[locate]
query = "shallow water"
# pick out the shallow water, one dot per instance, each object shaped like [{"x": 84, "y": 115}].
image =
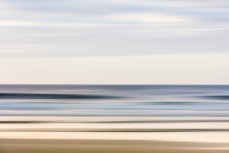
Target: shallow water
[
  {"x": 110, "y": 100},
  {"x": 114, "y": 108}
]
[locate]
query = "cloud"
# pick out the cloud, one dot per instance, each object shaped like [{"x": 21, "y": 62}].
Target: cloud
[
  {"x": 21, "y": 23},
  {"x": 15, "y": 23},
  {"x": 189, "y": 4},
  {"x": 149, "y": 18},
  {"x": 55, "y": 28}
]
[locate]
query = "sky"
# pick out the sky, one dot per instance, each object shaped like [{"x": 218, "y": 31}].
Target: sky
[{"x": 114, "y": 41}]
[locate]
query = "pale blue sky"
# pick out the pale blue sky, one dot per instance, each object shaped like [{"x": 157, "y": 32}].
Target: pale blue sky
[{"x": 49, "y": 29}]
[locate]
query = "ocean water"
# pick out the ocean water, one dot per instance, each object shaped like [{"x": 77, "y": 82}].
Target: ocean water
[{"x": 114, "y": 108}]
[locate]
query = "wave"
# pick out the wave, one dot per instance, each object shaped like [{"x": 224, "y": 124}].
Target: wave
[
  {"x": 53, "y": 96},
  {"x": 217, "y": 97}
]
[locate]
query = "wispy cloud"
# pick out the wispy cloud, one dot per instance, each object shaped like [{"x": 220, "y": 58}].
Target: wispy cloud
[
  {"x": 149, "y": 18},
  {"x": 48, "y": 28}
]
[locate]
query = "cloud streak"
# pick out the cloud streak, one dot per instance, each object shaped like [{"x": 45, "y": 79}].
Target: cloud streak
[{"x": 54, "y": 28}]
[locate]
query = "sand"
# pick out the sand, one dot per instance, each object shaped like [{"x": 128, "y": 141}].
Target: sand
[
  {"x": 106, "y": 146},
  {"x": 113, "y": 142}
]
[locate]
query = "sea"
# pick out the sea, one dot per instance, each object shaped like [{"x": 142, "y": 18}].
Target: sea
[{"x": 114, "y": 108}]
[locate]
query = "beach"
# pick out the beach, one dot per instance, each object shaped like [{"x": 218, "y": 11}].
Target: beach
[{"x": 113, "y": 119}]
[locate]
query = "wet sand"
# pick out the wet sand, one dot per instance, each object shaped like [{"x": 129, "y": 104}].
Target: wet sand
[
  {"x": 107, "y": 146},
  {"x": 113, "y": 142}
]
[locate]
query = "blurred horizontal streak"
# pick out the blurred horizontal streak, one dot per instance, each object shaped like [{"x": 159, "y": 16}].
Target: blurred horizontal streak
[
  {"x": 199, "y": 137},
  {"x": 116, "y": 130},
  {"x": 119, "y": 122},
  {"x": 112, "y": 127},
  {"x": 106, "y": 119},
  {"x": 51, "y": 96},
  {"x": 115, "y": 113}
]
